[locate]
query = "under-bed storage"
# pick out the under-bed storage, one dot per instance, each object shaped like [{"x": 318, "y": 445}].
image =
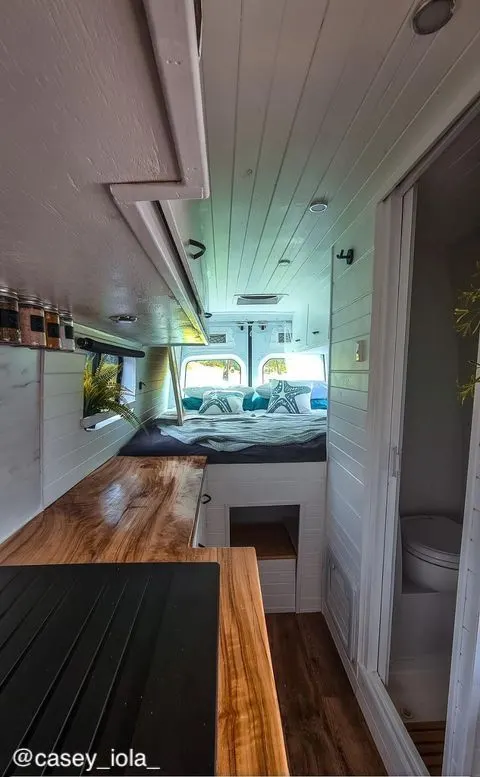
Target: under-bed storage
[
  {"x": 273, "y": 532},
  {"x": 295, "y": 577}
]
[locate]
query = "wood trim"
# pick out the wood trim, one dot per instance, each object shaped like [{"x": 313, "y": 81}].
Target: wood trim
[
  {"x": 464, "y": 690},
  {"x": 395, "y": 414},
  {"x": 177, "y": 390},
  {"x": 391, "y": 737},
  {"x": 174, "y": 37},
  {"x": 250, "y": 735},
  {"x": 174, "y": 40},
  {"x": 130, "y": 193},
  {"x": 379, "y": 406}
]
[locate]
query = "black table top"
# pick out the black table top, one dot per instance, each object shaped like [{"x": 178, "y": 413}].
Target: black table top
[{"x": 117, "y": 661}]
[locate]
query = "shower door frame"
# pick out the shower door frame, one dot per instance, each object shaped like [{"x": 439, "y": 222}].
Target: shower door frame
[{"x": 394, "y": 238}]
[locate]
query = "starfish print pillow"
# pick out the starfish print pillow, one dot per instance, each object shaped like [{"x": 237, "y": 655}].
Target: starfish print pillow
[
  {"x": 290, "y": 398},
  {"x": 220, "y": 402}
]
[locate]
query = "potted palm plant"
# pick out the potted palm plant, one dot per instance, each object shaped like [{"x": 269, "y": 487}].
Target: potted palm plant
[{"x": 104, "y": 396}]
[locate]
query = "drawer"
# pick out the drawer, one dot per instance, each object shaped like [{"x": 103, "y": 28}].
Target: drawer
[{"x": 278, "y": 584}]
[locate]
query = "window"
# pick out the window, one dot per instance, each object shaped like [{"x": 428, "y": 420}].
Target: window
[
  {"x": 97, "y": 359},
  {"x": 118, "y": 370},
  {"x": 293, "y": 367},
  {"x": 221, "y": 371}
]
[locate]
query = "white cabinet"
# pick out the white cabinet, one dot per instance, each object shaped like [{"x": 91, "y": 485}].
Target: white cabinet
[
  {"x": 186, "y": 226},
  {"x": 278, "y": 584}
]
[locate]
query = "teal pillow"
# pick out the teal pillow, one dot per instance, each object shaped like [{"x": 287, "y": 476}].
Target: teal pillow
[
  {"x": 248, "y": 401},
  {"x": 191, "y": 403},
  {"x": 258, "y": 402},
  {"x": 319, "y": 404}
]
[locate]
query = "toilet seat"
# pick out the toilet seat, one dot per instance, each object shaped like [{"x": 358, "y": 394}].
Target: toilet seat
[{"x": 435, "y": 539}]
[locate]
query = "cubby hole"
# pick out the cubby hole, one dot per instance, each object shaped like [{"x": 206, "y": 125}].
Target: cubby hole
[{"x": 272, "y": 530}]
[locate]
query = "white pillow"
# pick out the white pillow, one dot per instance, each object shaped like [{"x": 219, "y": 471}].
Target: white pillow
[
  {"x": 265, "y": 390},
  {"x": 293, "y": 398},
  {"x": 199, "y": 391},
  {"x": 221, "y": 402}
]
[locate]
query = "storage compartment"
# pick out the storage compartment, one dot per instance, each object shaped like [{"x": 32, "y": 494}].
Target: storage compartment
[
  {"x": 185, "y": 220},
  {"x": 273, "y": 532}
]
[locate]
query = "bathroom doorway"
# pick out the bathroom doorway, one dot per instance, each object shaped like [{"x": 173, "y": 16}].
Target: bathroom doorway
[
  {"x": 434, "y": 449},
  {"x": 420, "y": 633}
]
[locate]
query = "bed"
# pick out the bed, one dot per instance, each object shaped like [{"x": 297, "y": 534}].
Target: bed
[
  {"x": 305, "y": 440},
  {"x": 258, "y": 476}
]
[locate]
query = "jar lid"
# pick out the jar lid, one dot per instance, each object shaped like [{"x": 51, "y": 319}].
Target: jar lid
[
  {"x": 30, "y": 299},
  {"x": 51, "y": 308},
  {"x": 65, "y": 313},
  {"x": 5, "y": 291}
]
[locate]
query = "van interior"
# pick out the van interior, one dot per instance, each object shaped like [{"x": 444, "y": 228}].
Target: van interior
[{"x": 239, "y": 319}]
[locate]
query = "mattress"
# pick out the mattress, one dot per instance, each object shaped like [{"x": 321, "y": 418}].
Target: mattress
[{"x": 153, "y": 443}]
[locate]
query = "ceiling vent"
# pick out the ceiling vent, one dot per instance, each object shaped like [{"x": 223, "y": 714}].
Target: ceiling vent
[
  {"x": 218, "y": 339},
  {"x": 258, "y": 299}
]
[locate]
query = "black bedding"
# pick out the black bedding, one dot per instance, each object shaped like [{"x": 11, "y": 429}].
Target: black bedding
[{"x": 153, "y": 443}]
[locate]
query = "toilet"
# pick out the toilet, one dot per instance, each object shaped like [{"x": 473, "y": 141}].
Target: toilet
[{"x": 431, "y": 551}]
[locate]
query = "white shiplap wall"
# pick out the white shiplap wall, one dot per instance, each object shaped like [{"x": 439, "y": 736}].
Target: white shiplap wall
[
  {"x": 20, "y": 396},
  {"x": 450, "y": 83},
  {"x": 69, "y": 452},
  {"x": 350, "y": 322}
]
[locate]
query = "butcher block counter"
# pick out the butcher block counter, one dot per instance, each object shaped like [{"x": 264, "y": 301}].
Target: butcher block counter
[{"x": 144, "y": 509}]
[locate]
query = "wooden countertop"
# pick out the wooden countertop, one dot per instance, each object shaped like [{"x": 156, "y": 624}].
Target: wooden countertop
[{"x": 144, "y": 509}]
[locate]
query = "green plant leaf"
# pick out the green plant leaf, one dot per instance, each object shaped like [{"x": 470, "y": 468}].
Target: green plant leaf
[{"x": 103, "y": 393}]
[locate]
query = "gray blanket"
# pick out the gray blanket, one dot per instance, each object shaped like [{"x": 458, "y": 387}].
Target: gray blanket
[{"x": 236, "y": 432}]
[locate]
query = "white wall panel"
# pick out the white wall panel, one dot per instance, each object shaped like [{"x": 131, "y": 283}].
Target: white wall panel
[
  {"x": 69, "y": 452},
  {"x": 351, "y": 321},
  {"x": 20, "y": 396}
]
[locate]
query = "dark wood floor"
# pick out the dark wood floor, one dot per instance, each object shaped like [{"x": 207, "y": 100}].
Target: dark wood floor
[
  {"x": 325, "y": 732},
  {"x": 429, "y": 739}
]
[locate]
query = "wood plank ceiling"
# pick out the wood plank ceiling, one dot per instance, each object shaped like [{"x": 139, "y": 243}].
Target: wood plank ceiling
[{"x": 303, "y": 99}]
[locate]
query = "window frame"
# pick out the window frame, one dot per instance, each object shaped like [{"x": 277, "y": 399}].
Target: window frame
[
  {"x": 212, "y": 357},
  {"x": 283, "y": 355},
  {"x": 128, "y": 366}
]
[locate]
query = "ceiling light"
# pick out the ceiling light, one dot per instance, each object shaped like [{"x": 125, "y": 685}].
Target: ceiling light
[
  {"x": 318, "y": 206},
  {"x": 431, "y": 15},
  {"x": 123, "y": 318}
]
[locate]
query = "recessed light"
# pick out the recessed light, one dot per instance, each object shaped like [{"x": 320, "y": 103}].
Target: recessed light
[
  {"x": 431, "y": 15},
  {"x": 123, "y": 319},
  {"x": 318, "y": 206}
]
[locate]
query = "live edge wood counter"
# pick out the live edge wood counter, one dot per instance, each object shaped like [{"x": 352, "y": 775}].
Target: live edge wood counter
[{"x": 144, "y": 509}]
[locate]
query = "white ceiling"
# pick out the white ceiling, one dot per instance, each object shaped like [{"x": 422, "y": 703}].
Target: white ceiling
[{"x": 304, "y": 99}]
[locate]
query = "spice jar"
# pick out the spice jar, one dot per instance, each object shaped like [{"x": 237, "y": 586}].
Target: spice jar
[
  {"x": 9, "y": 320},
  {"x": 32, "y": 321},
  {"x": 52, "y": 327},
  {"x": 66, "y": 331}
]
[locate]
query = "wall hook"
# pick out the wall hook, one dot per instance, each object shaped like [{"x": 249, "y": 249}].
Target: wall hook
[{"x": 348, "y": 255}]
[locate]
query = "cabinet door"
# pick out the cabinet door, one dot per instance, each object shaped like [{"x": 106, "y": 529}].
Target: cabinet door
[
  {"x": 299, "y": 329},
  {"x": 185, "y": 222}
]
